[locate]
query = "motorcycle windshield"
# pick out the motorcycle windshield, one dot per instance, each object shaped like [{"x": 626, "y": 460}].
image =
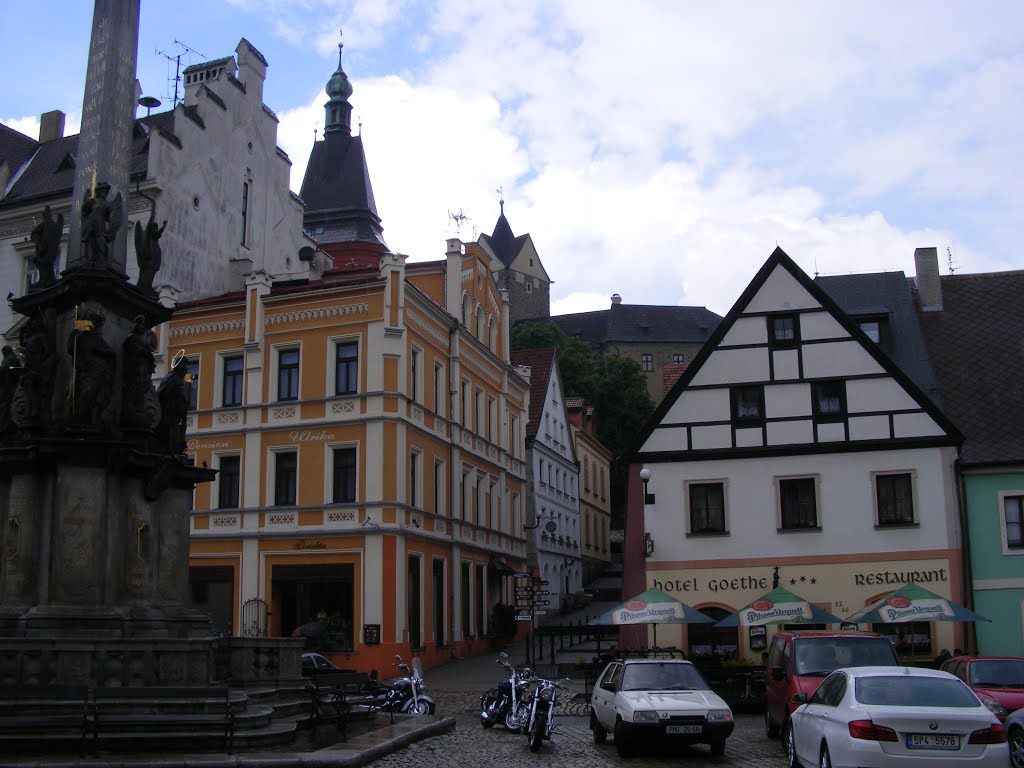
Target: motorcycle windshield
[{"x": 417, "y": 668}]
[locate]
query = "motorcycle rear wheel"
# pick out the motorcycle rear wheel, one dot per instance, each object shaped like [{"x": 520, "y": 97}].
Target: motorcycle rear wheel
[{"x": 540, "y": 725}]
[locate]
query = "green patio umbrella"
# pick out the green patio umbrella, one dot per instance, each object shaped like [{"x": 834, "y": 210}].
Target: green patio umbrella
[
  {"x": 912, "y": 602},
  {"x": 780, "y": 606},
  {"x": 652, "y": 607}
]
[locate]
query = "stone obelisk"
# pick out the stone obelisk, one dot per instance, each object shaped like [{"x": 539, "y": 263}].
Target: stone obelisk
[{"x": 108, "y": 117}]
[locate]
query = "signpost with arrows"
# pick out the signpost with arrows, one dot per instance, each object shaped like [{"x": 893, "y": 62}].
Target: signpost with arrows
[{"x": 529, "y": 593}]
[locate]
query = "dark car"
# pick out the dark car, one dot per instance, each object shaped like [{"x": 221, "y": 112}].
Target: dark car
[
  {"x": 312, "y": 663},
  {"x": 998, "y": 679}
]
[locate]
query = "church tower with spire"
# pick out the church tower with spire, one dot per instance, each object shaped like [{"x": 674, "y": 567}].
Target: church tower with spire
[
  {"x": 340, "y": 211},
  {"x": 516, "y": 267}
]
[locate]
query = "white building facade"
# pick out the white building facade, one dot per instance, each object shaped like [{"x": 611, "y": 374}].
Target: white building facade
[
  {"x": 555, "y": 481},
  {"x": 794, "y": 449},
  {"x": 210, "y": 167}
]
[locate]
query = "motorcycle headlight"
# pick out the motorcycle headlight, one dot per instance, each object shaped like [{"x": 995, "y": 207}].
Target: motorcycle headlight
[
  {"x": 719, "y": 716},
  {"x": 645, "y": 717},
  {"x": 546, "y": 694}
]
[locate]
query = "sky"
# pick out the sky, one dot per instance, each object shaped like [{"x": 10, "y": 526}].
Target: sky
[{"x": 658, "y": 149}]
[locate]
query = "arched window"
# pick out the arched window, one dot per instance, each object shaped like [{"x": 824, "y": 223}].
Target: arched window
[
  {"x": 465, "y": 309},
  {"x": 493, "y": 333},
  {"x": 705, "y": 641},
  {"x": 480, "y": 322}
]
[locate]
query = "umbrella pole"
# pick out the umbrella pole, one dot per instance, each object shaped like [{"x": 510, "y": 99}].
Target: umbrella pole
[{"x": 655, "y": 635}]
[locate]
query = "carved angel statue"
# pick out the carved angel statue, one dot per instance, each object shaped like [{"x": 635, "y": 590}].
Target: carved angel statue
[
  {"x": 46, "y": 237},
  {"x": 100, "y": 222},
  {"x": 147, "y": 251}
]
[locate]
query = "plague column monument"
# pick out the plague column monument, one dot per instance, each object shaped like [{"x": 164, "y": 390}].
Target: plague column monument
[{"x": 95, "y": 490}]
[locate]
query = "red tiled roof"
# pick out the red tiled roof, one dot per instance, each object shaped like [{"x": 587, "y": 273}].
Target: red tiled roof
[{"x": 541, "y": 361}]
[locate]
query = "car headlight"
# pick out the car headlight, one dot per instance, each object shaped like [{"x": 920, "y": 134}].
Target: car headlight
[
  {"x": 994, "y": 707},
  {"x": 645, "y": 717},
  {"x": 719, "y": 716}
]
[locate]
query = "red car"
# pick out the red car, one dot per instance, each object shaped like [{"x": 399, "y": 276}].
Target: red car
[{"x": 997, "y": 679}]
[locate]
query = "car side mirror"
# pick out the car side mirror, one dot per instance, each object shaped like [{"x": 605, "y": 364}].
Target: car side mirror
[
  {"x": 799, "y": 698},
  {"x": 778, "y": 674}
]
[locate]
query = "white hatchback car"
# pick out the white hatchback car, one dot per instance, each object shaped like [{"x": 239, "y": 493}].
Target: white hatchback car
[
  {"x": 640, "y": 699},
  {"x": 894, "y": 717}
]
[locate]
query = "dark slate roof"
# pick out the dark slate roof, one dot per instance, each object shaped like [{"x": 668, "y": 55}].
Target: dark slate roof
[
  {"x": 633, "y": 323},
  {"x": 541, "y": 361},
  {"x": 338, "y": 193},
  {"x": 502, "y": 242},
  {"x": 49, "y": 174},
  {"x": 975, "y": 344},
  {"x": 15, "y": 147},
  {"x": 888, "y": 295}
]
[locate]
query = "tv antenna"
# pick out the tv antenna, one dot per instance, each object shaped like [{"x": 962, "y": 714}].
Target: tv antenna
[
  {"x": 460, "y": 220},
  {"x": 949, "y": 260},
  {"x": 176, "y": 58}
]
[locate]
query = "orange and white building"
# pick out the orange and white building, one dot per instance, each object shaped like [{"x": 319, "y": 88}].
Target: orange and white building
[{"x": 368, "y": 430}]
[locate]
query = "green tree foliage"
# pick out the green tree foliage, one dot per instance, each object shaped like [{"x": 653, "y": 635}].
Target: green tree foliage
[{"x": 614, "y": 385}]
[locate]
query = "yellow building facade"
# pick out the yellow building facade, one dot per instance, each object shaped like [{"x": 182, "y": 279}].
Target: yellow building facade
[{"x": 368, "y": 432}]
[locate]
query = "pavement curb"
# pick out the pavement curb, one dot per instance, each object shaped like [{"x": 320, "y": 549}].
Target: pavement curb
[{"x": 342, "y": 755}]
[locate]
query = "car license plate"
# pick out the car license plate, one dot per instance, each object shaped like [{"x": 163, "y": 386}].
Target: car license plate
[
  {"x": 932, "y": 741},
  {"x": 683, "y": 729}
]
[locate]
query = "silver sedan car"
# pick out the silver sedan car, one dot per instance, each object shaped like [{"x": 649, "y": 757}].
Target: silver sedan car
[{"x": 894, "y": 717}]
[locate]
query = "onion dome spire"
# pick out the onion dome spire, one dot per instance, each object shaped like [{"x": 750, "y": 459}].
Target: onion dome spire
[{"x": 337, "y": 110}]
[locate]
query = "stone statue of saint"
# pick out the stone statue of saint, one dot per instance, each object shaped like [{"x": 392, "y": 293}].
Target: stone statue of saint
[
  {"x": 46, "y": 237},
  {"x": 139, "y": 404},
  {"x": 95, "y": 363},
  {"x": 100, "y": 222},
  {"x": 173, "y": 393},
  {"x": 32, "y": 398},
  {"x": 11, "y": 371},
  {"x": 147, "y": 251}
]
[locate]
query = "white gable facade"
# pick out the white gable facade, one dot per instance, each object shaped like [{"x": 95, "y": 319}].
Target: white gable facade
[
  {"x": 793, "y": 448},
  {"x": 556, "y": 475}
]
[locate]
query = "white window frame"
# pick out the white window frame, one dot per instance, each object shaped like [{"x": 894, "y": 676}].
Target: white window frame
[
  {"x": 913, "y": 496},
  {"x": 332, "y": 367},
  {"x": 440, "y": 390},
  {"x": 1002, "y": 524},
  {"x": 724, "y": 482},
  {"x": 217, "y": 457},
  {"x": 416, "y": 358},
  {"x": 218, "y": 376},
  {"x": 415, "y": 484},
  {"x": 329, "y": 449},
  {"x": 270, "y": 486},
  {"x": 818, "y": 506},
  {"x": 275, "y": 355},
  {"x": 440, "y": 484}
]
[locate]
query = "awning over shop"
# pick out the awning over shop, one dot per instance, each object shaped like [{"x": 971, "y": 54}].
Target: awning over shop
[{"x": 500, "y": 567}]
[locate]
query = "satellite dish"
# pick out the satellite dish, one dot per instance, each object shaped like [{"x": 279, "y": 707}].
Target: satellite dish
[
  {"x": 149, "y": 102},
  {"x": 306, "y": 253}
]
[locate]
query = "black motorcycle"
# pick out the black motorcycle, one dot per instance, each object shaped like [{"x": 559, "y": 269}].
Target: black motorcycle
[
  {"x": 540, "y": 723},
  {"x": 406, "y": 693},
  {"x": 507, "y": 701}
]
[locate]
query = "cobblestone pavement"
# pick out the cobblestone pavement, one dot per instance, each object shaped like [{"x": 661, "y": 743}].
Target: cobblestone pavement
[{"x": 572, "y": 744}]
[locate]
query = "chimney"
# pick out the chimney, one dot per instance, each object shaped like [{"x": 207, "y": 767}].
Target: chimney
[
  {"x": 252, "y": 69},
  {"x": 616, "y": 299},
  {"x": 51, "y": 126},
  {"x": 453, "y": 277},
  {"x": 929, "y": 287}
]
